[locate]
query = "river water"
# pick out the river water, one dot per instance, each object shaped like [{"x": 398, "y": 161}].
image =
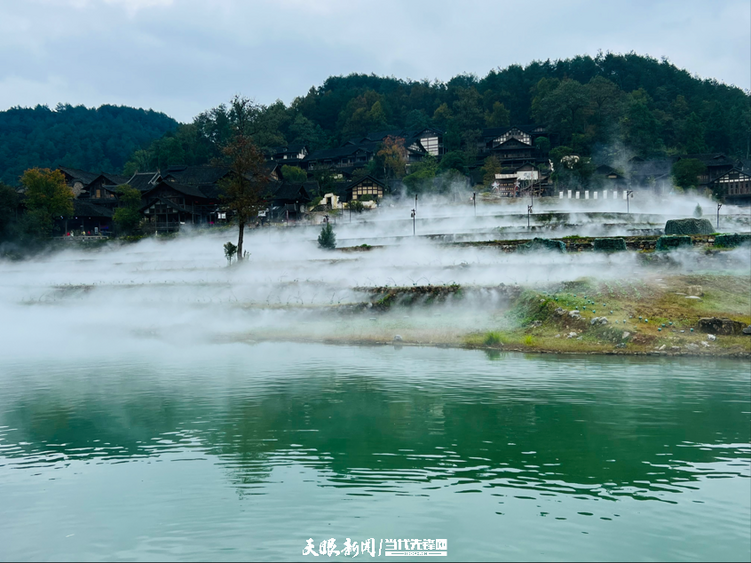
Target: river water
[{"x": 246, "y": 451}]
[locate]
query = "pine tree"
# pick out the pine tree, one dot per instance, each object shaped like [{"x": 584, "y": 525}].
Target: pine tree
[{"x": 327, "y": 238}]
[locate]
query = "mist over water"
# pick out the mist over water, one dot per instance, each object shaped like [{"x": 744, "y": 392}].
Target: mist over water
[
  {"x": 141, "y": 418},
  {"x": 181, "y": 290}
]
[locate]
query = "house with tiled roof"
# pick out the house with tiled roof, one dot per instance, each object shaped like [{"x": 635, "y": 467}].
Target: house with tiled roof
[{"x": 513, "y": 146}]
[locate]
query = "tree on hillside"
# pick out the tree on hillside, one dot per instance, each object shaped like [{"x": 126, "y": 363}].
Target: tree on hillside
[
  {"x": 246, "y": 188},
  {"x": 422, "y": 176},
  {"x": 48, "y": 198},
  {"x": 294, "y": 174},
  {"x": 686, "y": 172},
  {"x": 454, "y": 160},
  {"x": 127, "y": 217},
  {"x": 490, "y": 168},
  {"x": 394, "y": 157},
  {"x": 498, "y": 117}
]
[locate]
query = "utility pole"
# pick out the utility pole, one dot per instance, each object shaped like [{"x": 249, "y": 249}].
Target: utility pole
[
  {"x": 718, "y": 216},
  {"x": 414, "y": 214},
  {"x": 529, "y": 212},
  {"x": 629, "y": 195}
]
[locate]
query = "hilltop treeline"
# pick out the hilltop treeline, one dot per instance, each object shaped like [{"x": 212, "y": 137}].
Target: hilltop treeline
[
  {"x": 96, "y": 139},
  {"x": 650, "y": 106}
]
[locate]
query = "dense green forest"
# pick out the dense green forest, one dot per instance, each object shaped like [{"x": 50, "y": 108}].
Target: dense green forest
[
  {"x": 588, "y": 104},
  {"x": 96, "y": 139}
]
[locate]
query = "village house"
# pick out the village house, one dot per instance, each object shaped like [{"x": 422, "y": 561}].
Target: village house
[
  {"x": 368, "y": 188},
  {"x": 290, "y": 200},
  {"x": 522, "y": 181},
  {"x": 513, "y": 146},
  {"x": 734, "y": 185}
]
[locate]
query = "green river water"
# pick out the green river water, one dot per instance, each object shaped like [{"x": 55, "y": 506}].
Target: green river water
[{"x": 238, "y": 451}]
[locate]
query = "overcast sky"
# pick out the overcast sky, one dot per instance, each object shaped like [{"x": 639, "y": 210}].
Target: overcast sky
[{"x": 185, "y": 56}]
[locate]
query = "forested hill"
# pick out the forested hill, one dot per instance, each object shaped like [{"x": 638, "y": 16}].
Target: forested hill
[
  {"x": 648, "y": 106},
  {"x": 96, "y": 139},
  {"x": 589, "y": 105}
]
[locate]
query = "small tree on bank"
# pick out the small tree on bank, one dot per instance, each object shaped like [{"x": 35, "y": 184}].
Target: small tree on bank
[
  {"x": 246, "y": 188},
  {"x": 229, "y": 251},
  {"x": 327, "y": 238}
]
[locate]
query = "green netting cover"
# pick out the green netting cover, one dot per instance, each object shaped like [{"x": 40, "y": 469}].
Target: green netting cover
[
  {"x": 670, "y": 242},
  {"x": 537, "y": 244},
  {"x": 610, "y": 244},
  {"x": 688, "y": 227},
  {"x": 732, "y": 240}
]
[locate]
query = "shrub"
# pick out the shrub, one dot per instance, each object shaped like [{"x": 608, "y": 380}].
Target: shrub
[
  {"x": 688, "y": 227},
  {"x": 327, "y": 238},
  {"x": 356, "y": 206},
  {"x": 668, "y": 242},
  {"x": 229, "y": 251},
  {"x": 493, "y": 339},
  {"x": 537, "y": 244},
  {"x": 610, "y": 244},
  {"x": 732, "y": 240}
]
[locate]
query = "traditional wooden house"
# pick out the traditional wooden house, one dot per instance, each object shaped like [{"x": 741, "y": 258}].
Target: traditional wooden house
[
  {"x": 144, "y": 181},
  {"x": 717, "y": 164},
  {"x": 77, "y": 179},
  {"x": 102, "y": 190},
  {"x": 367, "y": 186},
  {"x": 290, "y": 200},
  {"x": 348, "y": 156},
  {"x": 418, "y": 143},
  {"x": 90, "y": 218},
  {"x": 513, "y": 146},
  {"x": 607, "y": 177},
  {"x": 291, "y": 154},
  {"x": 520, "y": 181},
  {"x": 168, "y": 205},
  {"x": 734, "y": 186}
]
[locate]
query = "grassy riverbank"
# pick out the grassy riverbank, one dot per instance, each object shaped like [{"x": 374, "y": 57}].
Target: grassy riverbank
[{"x": 659, "y": 315}]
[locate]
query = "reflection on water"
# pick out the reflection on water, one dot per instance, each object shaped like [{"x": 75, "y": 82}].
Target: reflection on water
[{"x": 235, "y": 452}]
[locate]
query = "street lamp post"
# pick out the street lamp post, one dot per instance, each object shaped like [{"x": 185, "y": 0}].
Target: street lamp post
[
  {"x": 531, "y": 193},
  {"x": 529, "y": 212},
  {"x": 718, "y": 216},
  {"x": 414, "y": 214},
  {"x": 474, "y": 202}
]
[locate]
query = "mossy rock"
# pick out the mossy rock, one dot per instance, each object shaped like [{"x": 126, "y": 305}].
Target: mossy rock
[
  {"x": 537, "y": 244},
  {"x": 688, "y": 227},
  {"x": 610, "y": 244},
  {"x": 732, "y": 240},
  {"x": 671, "y": 242}
]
